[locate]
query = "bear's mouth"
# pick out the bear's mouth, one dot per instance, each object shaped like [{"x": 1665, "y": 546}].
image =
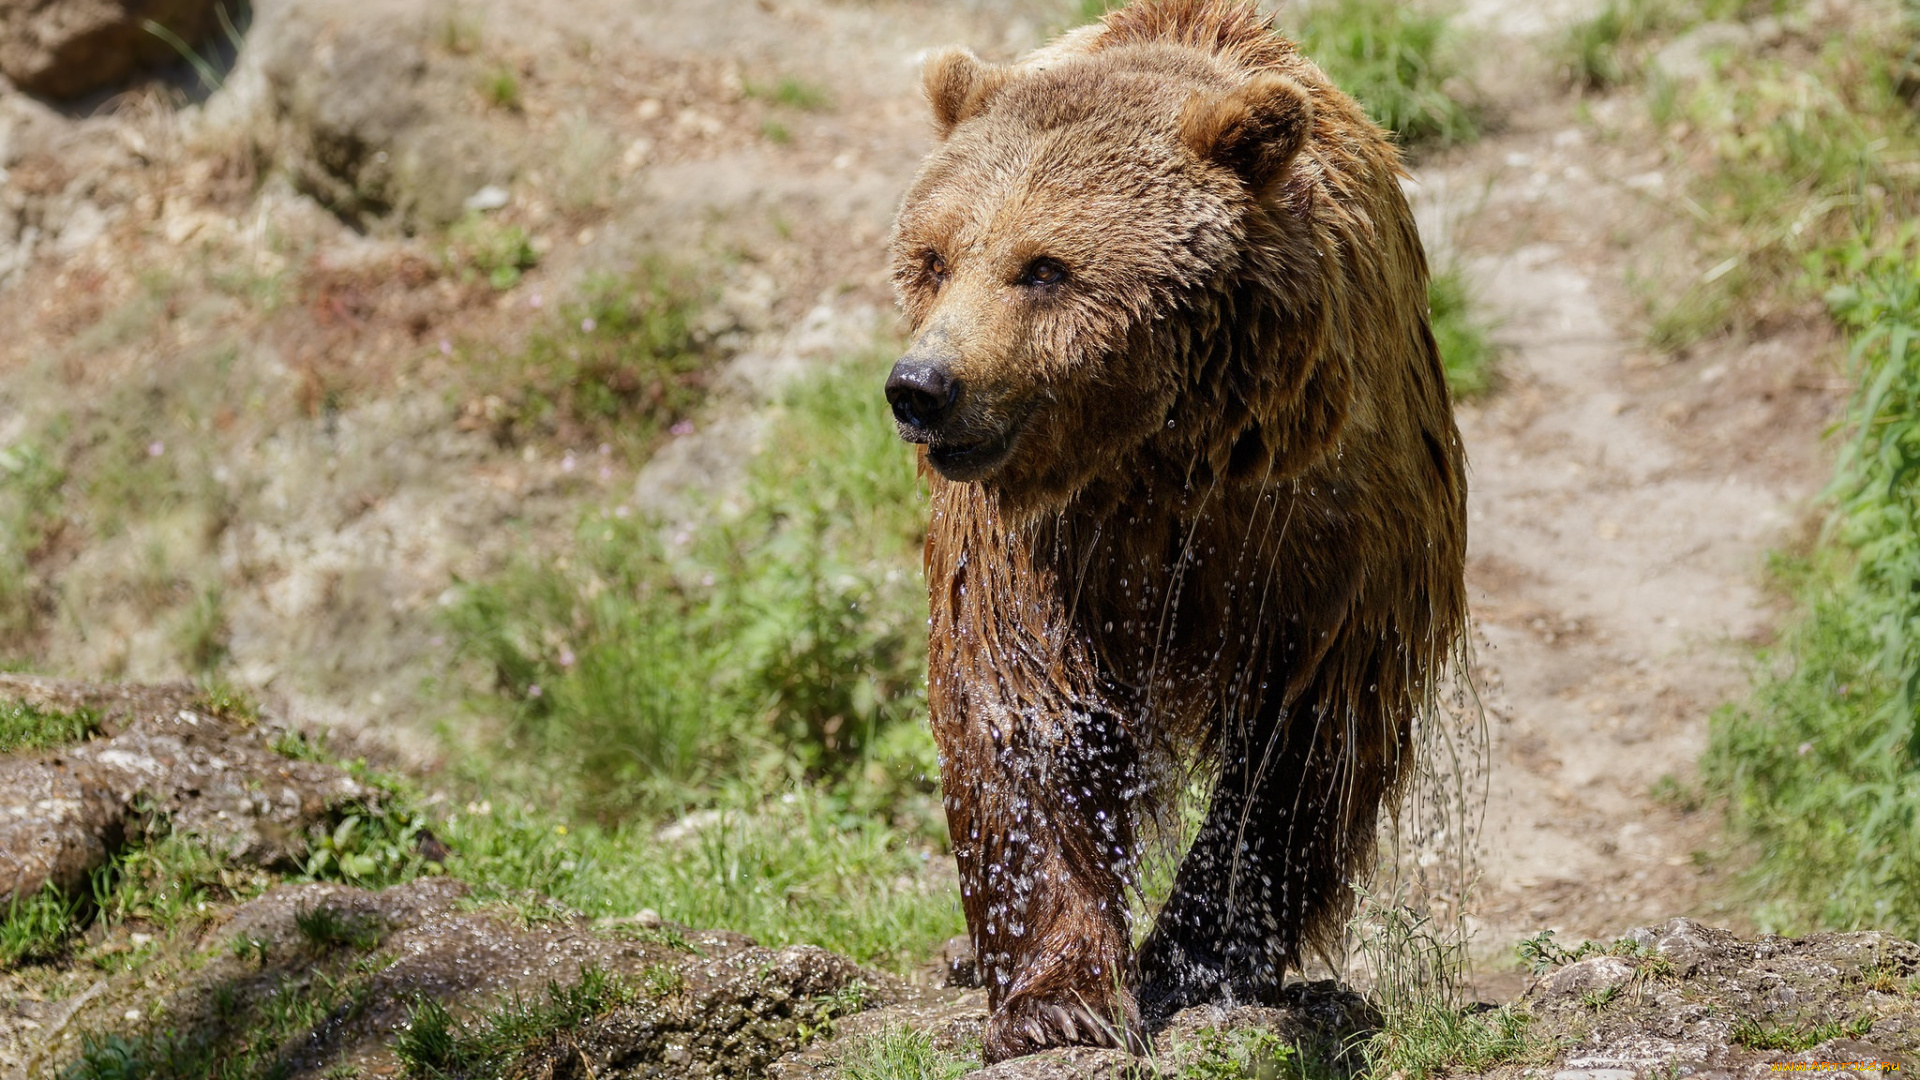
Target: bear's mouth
[{"x": 967, "y": 461}]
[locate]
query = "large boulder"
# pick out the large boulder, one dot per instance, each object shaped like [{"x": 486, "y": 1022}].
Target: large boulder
[
  {"x": 379, "y": 122},
  {"x": 65, "y": 48},
  {"x": 165, "y": 752}
]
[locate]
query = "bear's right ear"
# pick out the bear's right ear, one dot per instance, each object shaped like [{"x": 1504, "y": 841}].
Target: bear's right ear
[
  {"x": 959, "y": 86},
  {"x": 1255, "y": 130}
]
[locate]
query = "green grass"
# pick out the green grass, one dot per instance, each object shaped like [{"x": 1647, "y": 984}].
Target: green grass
[
  {"x": 487, "y": 248},
  {"x": 618, "y": 365},
  {"x": 1610, "y": 49},
  {"x": 434, "y": 1044},
  {"x": 37, "y": 928},
  {"x": 24, "y": 727},
  {"x": 1821, "y": 767},
  {"x": 247, "y": 1032},
  {"x": 326, "y": 928},
  {"x": 1790, "y": 157},
  {"x": 1239, "y": 1054},
  {"x": 501, "y": 88},
  {"x": 801, "y": 869},
  {"x": 1426, "y": 1028},
  {"x": 31, "y": 516},
  {"x": 793, "y": 93},
  {"x": 901, "y": 1053},
  {"x": 1398, "y": 61},
  {"x": 1466, "y": 351},
  {"x": 1755, "y": 1035},
  {"x": 650, "y": 673}
]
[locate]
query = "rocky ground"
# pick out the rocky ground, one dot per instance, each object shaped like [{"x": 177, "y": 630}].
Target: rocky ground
[
  {"x": 250, "y": 264},
  {"x": 340, "y": 981}
]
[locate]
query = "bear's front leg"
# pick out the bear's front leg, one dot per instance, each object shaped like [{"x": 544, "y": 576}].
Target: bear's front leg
[{"x": 1038, "y": 805}]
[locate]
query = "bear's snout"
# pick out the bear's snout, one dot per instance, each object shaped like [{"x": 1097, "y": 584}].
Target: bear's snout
[{"x": 922, "y": 392}]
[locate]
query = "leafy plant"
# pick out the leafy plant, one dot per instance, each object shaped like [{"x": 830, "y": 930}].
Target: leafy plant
[
  {"x": 374, "y": 843},
  {"x": 1240, "y": 1054}
]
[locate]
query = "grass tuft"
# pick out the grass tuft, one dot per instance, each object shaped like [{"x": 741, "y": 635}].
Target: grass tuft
[
  {"x": 25, "y": 727},
  {"x": 1396, "y": 60},
  {"x": 1755, "y": 1035},
  {"x": 1466, "y": 351},
  {"x": 618, "y": 366},
  {"x": 37, "y": 928},
  {"x": 901, "y": 1053},
  {"x": 799, "y": 870},
  {"x": 435, "y": 1044},
  {"x": 327, "y": 928}
]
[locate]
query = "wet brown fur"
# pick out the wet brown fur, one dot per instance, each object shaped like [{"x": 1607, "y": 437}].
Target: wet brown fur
[{"x": 1228, "y": 527}]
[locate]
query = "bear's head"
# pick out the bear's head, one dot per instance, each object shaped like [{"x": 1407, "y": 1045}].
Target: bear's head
[{"x": 1071, "y": 252}]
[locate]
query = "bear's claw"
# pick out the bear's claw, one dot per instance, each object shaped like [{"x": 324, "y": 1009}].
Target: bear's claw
[{"x": 1027, "y": 1028}]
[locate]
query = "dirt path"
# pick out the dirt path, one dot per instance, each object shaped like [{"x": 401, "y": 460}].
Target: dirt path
[{"x": 1621, "y": 506}]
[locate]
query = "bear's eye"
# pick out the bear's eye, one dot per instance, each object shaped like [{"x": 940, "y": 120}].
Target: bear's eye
[
  {"x": 1043, "y": 271},
  {"x": 935, "y": 267}
]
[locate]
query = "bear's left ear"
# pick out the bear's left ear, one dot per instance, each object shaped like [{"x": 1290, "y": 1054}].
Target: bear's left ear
[
  {"x": 1255, "y": 130},
  {"x": 959, "y": 86}
]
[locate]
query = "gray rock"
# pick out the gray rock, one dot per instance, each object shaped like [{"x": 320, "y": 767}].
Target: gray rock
[
  {"x": 66, "y": 48},
  {"x": 62, "y": 813},
  {"x": 377, "y": 124},
  {"x": 1587, "y": 976}
]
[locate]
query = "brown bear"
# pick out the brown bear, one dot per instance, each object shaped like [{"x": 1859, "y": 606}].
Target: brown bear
[{"x": 1198, "y": 498}]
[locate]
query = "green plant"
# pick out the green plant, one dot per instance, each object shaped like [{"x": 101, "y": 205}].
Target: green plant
[
  {"x": 31, "y": 516},
  {"x": 36, "y": 927},
  {"x": 1601, "y": 997},
  {"x": 1755, "y": 1035},
  {"x": 374, "y": 843},
  {"x": 243, "y": 1036},
  {"x": 1821, "y": 767},
  {"x": 900, "y": 1053},
  {"x": 1800, "y": 157},
  {"x": 1240, "y": 1054},
  {"x": 795, "y": 870},
  {"x": 1465, "y": 350},
  {"x": 501, "y": 87},
  {"x": 1541, "y": 952},
  {"x": 327, "y": 928},
  {"x": 1425, "y": 1028},
  {"x": 27, "y": 727},
  {"x": 779, "y": 638},
  {"x": 1881, "y": 979},
  {"x": 1396, "y": 60},
  {"x": 792, "y": 93},
  {"x": 434, "y": 1044},
  {"x": 618, "y": 366},
  {"x": 491, "y": 249}
]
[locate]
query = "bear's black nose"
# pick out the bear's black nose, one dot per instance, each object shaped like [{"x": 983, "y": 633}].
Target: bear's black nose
[{"x": 921, "y": 393}]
